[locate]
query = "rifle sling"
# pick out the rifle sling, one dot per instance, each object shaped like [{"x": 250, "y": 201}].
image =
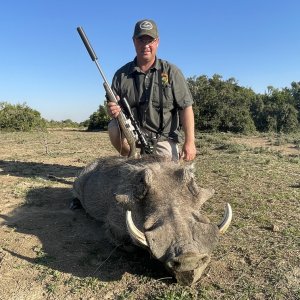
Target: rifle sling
[{"x": 161, "y": 111}]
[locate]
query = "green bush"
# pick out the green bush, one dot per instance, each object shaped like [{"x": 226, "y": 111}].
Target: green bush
[
  {"x": 63, "y": 124},
  {"x": 20, "y": 117}
]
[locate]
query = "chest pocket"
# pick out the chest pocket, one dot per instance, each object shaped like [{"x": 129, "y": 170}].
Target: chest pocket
[{"x": 167, "y": 95}]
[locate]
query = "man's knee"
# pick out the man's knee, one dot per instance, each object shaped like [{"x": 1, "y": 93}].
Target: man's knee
[
  {"x": 117, "y": 139},
  {"x": 168, "y": 148},
  {"x": 114, "y": 133}
]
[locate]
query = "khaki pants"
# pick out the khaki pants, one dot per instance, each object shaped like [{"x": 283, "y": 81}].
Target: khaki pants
[
  {"x": 163, "y": 148},
  {"x": 167, "y": 148}
]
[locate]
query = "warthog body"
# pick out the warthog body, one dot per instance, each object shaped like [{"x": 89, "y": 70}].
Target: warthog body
[{"x": 164, "y": 201}]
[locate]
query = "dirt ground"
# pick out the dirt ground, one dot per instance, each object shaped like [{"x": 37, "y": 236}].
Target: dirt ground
[
  {"x": 48, "y": 251},
  {"x": 266, "y": 142}
]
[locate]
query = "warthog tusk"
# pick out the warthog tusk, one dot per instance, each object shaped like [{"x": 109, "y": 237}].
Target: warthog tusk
[
  {"x": 135, "y": 233},
  {"x": 223, "y": 226}
]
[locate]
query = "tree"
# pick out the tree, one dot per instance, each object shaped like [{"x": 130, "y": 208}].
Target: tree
[
  {"x": 295, "y": 91},
  {"x": 99, "y": 120},
  {"x": 279, "y": 113},
  {"x": 221, "y": 105}
]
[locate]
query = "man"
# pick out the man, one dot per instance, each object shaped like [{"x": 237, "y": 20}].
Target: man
[{"x": 158, "y": 96}]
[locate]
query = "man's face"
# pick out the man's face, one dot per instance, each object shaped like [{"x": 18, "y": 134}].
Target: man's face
[{"x": 146, "y": 47}]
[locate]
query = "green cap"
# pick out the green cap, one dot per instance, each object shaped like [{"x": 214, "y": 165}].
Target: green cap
[{"x": 145, "y": 27}]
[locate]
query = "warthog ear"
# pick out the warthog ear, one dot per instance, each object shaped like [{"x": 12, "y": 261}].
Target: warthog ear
[
  {"x": 136, "y": 188},
  {"x": 186, "y": 173},
  {"x": 143, "y": 183},
  {"x": 204, "y": 195},
  {"x": 187, "y": 176}
]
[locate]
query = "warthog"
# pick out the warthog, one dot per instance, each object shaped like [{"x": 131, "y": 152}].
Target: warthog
[{"x": 154, "y": 203}]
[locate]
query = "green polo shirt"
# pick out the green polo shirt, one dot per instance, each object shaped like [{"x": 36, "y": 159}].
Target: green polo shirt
[{"x": 142, "y": 91}]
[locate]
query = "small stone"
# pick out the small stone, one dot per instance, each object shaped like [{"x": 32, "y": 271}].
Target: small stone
[{"x": 275, "y": 228}]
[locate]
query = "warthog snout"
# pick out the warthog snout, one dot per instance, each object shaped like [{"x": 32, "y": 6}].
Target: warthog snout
[{"x": 187, "y": 262}]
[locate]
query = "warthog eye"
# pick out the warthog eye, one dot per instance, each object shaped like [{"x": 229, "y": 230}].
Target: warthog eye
[
  {"x": 200, "y": 218},
  {"x": 149, "y": 226}
]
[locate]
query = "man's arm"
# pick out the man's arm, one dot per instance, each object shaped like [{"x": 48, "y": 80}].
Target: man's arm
[{"x": 187, "y": 119}]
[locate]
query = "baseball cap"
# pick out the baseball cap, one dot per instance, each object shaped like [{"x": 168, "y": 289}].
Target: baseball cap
[{"x": 145, "y": 27}]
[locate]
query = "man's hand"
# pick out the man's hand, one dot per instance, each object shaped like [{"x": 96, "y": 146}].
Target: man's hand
[
  {"x": 188, "y": 151},
  {"x": 113, "y": 109}
]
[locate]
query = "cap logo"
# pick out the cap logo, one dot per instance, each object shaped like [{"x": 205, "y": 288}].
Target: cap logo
[{"x": 146, "y": 25}]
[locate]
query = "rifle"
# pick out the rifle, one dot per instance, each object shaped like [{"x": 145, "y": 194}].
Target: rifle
[
  {"x": 146, "y": 147},
  {"x": 125, "y": 117}
]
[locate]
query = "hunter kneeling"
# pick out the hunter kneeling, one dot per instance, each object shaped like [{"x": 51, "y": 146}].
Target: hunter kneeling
[{"x": 158, "y": 96}]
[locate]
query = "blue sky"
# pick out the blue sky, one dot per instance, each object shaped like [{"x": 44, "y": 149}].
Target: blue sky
[{"x": 44, "y": 63}]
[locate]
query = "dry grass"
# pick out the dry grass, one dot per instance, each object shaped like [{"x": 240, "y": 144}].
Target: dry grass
[{"x": 50, "y": 252}]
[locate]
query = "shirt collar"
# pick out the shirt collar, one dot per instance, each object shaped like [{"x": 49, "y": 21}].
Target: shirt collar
[{"x": 134, "y": 68}]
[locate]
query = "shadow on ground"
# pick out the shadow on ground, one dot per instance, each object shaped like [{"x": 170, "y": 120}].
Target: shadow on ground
[
  {"x": 34, "y": 169},
  {"x": 71, "y": 241}
]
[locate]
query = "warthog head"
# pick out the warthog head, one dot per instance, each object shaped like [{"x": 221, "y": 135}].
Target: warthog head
[{"x": 162, "y": 203}]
